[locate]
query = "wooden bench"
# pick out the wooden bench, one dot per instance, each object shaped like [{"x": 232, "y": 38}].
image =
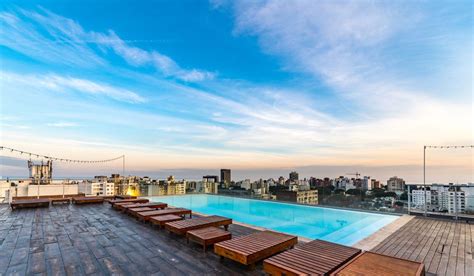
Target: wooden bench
[
  {"x": 255, "y": 247},
  {"x": 87, "y": 200},
  {"x": 181, "y": 227},
  {"x": 208, "y": 236},
  {"x": 312, "y": 258},
  {"x": 61, "y": 200},
  {"x": 145, "y": 216},
  {"x": 29, "y": 203},
  {"x": 161, "y": 220},
  {"x": 370, "y": 263}
]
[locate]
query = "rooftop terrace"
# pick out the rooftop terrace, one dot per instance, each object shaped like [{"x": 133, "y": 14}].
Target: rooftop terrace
[{"x": 95, "y": 239}]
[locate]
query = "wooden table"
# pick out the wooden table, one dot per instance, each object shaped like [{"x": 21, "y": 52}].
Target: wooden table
[
  {"x": 370, "y": 263},
  {"x": 161, "y": 220},
  {"x": 208, "y": 236}
]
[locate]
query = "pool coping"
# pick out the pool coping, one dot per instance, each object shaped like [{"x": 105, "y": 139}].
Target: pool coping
[{"x": 380, "y": 235}]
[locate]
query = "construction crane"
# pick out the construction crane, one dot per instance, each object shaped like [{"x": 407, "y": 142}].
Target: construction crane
[{"x": 357, "y": 174}]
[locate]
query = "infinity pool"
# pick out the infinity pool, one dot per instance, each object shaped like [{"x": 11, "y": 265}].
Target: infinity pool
[{"x": 340, "y": 226}]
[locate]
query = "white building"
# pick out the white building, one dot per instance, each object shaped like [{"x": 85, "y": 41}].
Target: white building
[
  {"x": 97, "y": 188},
  {"x": 418, "y": 198},
  {"x": 366, "y": 183}
]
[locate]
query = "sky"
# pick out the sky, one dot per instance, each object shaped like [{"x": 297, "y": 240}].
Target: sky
[{"x": 260, "y": 87}]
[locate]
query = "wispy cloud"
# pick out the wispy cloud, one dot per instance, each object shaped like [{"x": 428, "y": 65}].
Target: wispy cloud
[
  {"x": 49, "y": 37},
  {"x": 63, "y": 124},
  {"x": 63, "y": 83}
]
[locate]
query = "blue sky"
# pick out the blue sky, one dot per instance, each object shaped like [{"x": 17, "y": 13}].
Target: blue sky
[{"x": 251, "y": 85}]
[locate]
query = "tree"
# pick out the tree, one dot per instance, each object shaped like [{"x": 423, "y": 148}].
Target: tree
[
  {"x": 356, "y": 192},
  {"x": 378, "y": 192},
  {"x": 390, "y": 194},
  {"x": 404, "y": 196}
]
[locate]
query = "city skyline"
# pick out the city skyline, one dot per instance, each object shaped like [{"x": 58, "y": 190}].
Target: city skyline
[{"x": 240, "y": 86}]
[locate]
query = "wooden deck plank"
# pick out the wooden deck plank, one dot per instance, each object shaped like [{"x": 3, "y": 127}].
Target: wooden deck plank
[
  {"x": 434, "y": 265},
  {"x": 444, "y": 246}
]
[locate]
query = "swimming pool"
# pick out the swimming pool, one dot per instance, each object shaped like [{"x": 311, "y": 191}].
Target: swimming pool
[{"x": 340, "y": 226}]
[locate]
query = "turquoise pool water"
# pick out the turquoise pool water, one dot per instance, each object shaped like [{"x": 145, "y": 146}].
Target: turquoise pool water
[{"x": 340, "y": 226}]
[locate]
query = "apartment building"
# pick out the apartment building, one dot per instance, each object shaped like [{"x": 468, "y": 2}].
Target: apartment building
[
  {"x": 303, "y": 197},
  {"x": 97, "y": 188}
]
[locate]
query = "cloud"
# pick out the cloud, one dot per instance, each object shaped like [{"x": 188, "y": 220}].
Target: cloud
[
  {"x": 49, "y": 37},
  {"x": 62, "y": 124},
  {"x": 63, "y": 83}
]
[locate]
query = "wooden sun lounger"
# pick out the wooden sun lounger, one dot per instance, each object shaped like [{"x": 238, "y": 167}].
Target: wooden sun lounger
[
  {"x": 145, "y": 216},
  {"x": 87, "y": 200},
  {"x": 252, "y": 248},
  {"x": 136, "y": 200},
  {"x": 181, "y": 227},
  {"x": 29, "y": 203},
  {"x": 153, "y": 205},
  {"x": 124, "y": 197},
  {"x": 135, "y": 211},
  {"x": 313, "y": 258},
  {"x": 161, "y": 220},
  {"x": 370, "y": 263},
  {"x": 121, "y": 205},
  {"x": 208, "y": 236}
]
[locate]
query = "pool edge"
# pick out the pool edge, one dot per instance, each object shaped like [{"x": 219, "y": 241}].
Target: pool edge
[{"x": 380, "y": 235}]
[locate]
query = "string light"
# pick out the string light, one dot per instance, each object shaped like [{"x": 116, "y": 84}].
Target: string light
[{"x": 62, "y": 159}]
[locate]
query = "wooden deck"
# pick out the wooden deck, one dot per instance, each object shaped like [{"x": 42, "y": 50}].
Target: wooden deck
[
  {"x": 444, "y": 246},
  {"x": 95, "y": 239}
]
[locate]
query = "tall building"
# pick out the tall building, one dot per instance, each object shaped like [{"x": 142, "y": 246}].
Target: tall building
[
  {"x": 211, "y": 178},
  {"x": 396, "y": 184},
  {"x": 225, "y": 177},
  {"x": 209, "y": 184},
  {"x": 294, "y": 176},
  {"x": 366, "y": 183}
]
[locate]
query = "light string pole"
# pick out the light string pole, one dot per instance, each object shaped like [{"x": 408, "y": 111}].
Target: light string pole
[{"x": 424, "y": 167}]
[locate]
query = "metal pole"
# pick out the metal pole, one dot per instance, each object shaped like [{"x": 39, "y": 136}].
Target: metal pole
[
  {"x": 424, "y": 175},
  {"x": 123, "y": 165},
  {"x": 409, "y": 199}
]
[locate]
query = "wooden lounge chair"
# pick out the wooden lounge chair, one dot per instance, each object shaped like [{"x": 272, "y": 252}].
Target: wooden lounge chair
[
  {"x": 136, "y": 200},
  {"x": 29, "y": 203},
  {"x": 124, "y": 197},
  {"x": 208, "y": 236},
  {"x": 121, "y": 205},
  {"x": 154, "y": 205},
  {"x": 161, "y": 220},
  {"x": 313, "y": 258},
  {"x": 134, "y": 211},
  {"x": 370, "y": 263},
  {"x": 181, "y": 227},
  {"x": 87, "y": 200},
  {"x": 252, "y": 248},
  {"x": 145, "y": 216}
]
